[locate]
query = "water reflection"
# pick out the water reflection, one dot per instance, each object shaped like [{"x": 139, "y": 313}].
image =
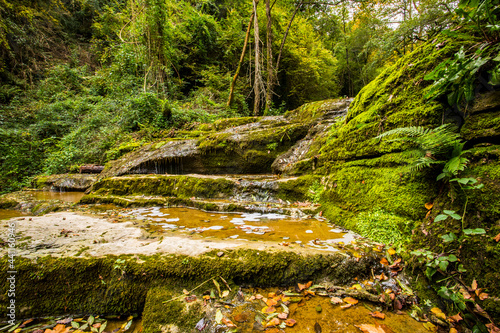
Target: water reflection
[
  {"x": 312, "y": 232},
  {"x": 53, "y": 195}
]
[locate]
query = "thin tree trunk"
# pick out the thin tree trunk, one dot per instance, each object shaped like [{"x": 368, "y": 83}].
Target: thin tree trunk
[
  {"x": 258, "y": 77},
  {"x": 270, "y": 73},
  {"x": 286, "y": 35},
  {"x": 233, "y": 83}
]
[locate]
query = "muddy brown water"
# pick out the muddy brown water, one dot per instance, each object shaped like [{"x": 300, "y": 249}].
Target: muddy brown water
[
  {"x": 270, "y": 227},
  {"x": 6, "y": 214},
  {"x": 55, "y": 195}
]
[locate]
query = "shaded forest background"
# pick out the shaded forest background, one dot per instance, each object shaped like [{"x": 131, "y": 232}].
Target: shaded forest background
[{"x": 85, "y": 81}]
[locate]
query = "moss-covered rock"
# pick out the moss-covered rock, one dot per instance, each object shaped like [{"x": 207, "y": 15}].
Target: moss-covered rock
[
  {"x": 65, "y": 182},
  {"x": 120, "y": 285}
]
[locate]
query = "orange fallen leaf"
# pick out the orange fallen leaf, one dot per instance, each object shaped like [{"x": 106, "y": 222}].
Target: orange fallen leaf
[
  {"x": 309, "y": 284},
  {"x": 492, "y": 328},
  {"x": 308, "y": 292},
  {"x": 228, "y": 323},
  {"x": 429, "y": 205},
  {"x": 453, "y": 330},
  {"x": 271, "y": 302},
  {"x": 259, "y": 296},
  {"x": 290, "y": 322},
  {"x": 301, "y": 286},
  {"x": 367, "y": 328},
  {"x": 396, "y": 263},
  {"x": 438, "y": 313},
  {"x": 430, "y": 327},
  {"x": 391, "y": 251},
  {"x": 456, "y": 318},
  {"x": 497, "y": 238},
  {"x": 483, "y": 296},
  {"x": 269, "y": 309},
  {"x": 283, "y": 315},
  {"x": 350, "y": 300},
  {"x": 377, "y": 314},
  {"x": 381, "y": 277},
  {"x": 271, "y": 295},
  {"x": 273, "y": 322},
  {"x": 384, "y": 261},
  {"x": 474, "y": 285}
]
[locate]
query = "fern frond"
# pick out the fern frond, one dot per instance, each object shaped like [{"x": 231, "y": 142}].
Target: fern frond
[{"x": 411, "y": 131}]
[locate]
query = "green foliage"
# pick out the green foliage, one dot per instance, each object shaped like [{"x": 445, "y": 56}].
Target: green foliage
[
  {"x": 383, "y": 227},
  {"x": 430, "y": 146}
]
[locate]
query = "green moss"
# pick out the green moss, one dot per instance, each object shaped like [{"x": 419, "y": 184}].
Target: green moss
[
  {"x": 481, "y": 125},
  {"x": 169, "y": 186},
  {"x": 222, "y": 124},
  {"x": 295, "y": 189},
  {"x": 6, "y": 203},
  {"x": 160, "y": 317},
  {"x": 41, "y": 182},
  {"x": 52, "y": 286}
]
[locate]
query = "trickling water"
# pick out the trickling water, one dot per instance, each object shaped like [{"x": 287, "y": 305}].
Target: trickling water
[{"x": 288, "y": 231}]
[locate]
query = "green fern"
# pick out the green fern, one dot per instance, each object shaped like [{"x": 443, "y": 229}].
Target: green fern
[{"x": 440, "y": 145}]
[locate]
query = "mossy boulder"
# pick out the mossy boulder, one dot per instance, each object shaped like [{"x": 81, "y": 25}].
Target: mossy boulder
[
  {"x": 65, "y": 182},
  {"x": 122, "y": 285}
]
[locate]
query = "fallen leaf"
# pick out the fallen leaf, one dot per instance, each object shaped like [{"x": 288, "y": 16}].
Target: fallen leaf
[
  {"x": 185, "y": 292},
  {"x": 430, "y": 327},
  {"x": 350, "y": 300},
  {"x": 398, "y": 305},
  {"x": 384, "y": 261},
  {"x": 271, "y": 302},
  {"x": 479, "y": 310},
  {"x": 474, "y": 285},
  {"x": 302, "y": 286},
  {"x": 273, "y": 322},
  {"x": 396, "y": 263},
  {"x": 497, "y": 238},
  {"x": 309, "y": 292},
  {"x": 429, "y": 205},
  {"x": 259, "y": 296},
  {"x": 377, "y": 314},
  {"x": 228, "y": 323},
  {"x": 282, "y": 315},
  {"x": 492, "y": 328},
  {"x": 309, "y": 284},
  {"x": 290, "y": 322},
  {"x": 453, "y": 330},
  {"x": 357, "y": 286},
  {"x": 438, "y": 313},
  {"x": 241, "y": 317},
  {"x": 456, "y": 318},
  {"x": 391, "y": 251},
  {"x": 346, "y": 306},
  {"x": 269, "y": 309},
  {"x": 336, "y": 300},
  {"x": 381, "y": 277},
  {"x": 271, "y": 295},
  {"x": 483, "y": 296},
  {"x": 367, "y": 328},
  {"x": 225, "y": 293}
]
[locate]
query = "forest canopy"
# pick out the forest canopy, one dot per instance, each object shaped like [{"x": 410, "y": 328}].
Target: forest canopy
[{"x": 82, "y": 81}]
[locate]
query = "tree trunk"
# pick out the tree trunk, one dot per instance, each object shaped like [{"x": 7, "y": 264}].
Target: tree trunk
[
  {"x": 233, "y": 83},
  {"x": 285, "y": 35},
  {"x": 258, "y": 76},
  {"x": 270, "y": 73}
]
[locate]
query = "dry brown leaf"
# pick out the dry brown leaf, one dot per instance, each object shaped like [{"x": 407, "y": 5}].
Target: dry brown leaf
[
  {"x": 269, "y": 309},
  {"x": 271, "y": 302},
  {"x": 396, "y": 263},
  {"x": 479, "y": 310},
  {"x": 282, "y": 315},
  {"x": 497, "y": 238},
  {"x": 290, "y": 322},
  {"x": 301, "y": 286},
  {"x": 438, "y": 313},
  {"x": 377, "y": 314},
  {"x": 308, "y": 292},
  {"x": 367, "y": 328},
  {"x": 259, "y": 296},
  {"x": 397, "y": 304},
  {"x": 346, "y": 306},
  {"x": 273, "y": 322},
  {"x": 483, "y": 296},
  {"x": 492, "y": 328},
  {"x": 241, "y": 317},
  {"x": 474, "y": 285},
  {"x": 336, "y": 300},
  {"x": 381, "y": 277},
  {"x": 309, "y": 284},
  {"x": 384, "y": 261},
  {"x": 429, "y": 205},
  {"x": 350, "y": 300},
  {"x": 456, "y": 318},
  {"x": 228, "y": 323}
]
